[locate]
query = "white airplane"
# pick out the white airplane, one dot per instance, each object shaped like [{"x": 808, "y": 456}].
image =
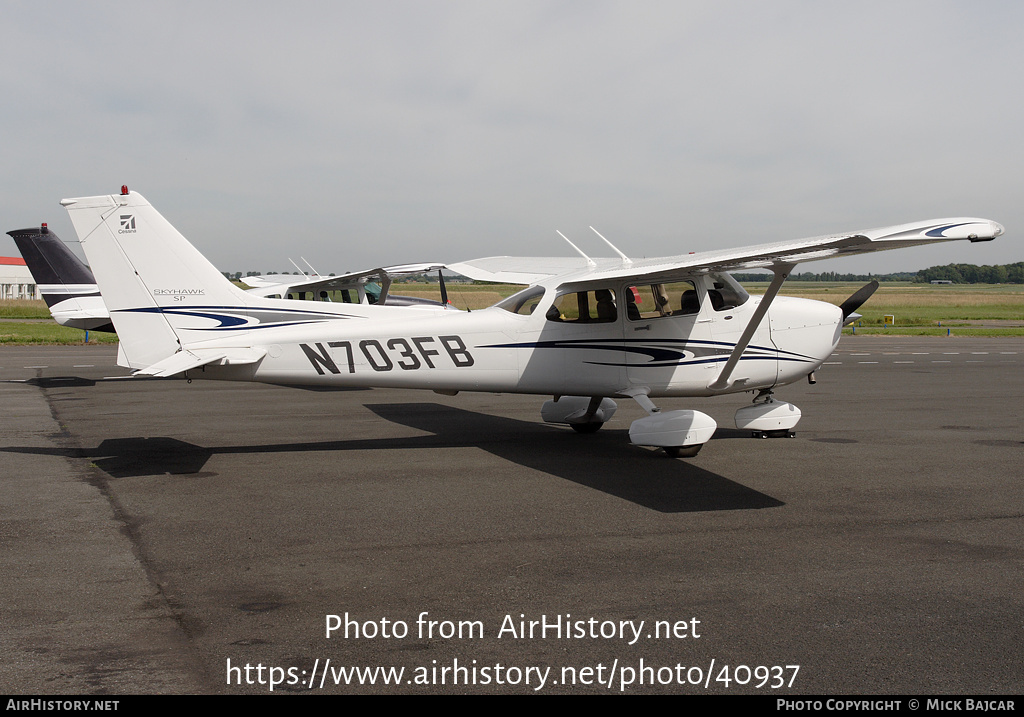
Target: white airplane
[
  {"x": 69, "y": 288},
  {"x": 585, "y": 331}
]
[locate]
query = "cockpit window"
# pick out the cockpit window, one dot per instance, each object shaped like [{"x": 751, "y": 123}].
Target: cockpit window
[
  {"x": 725, "y": 292},
  {"x": 678, "y": 298},
  {"x": 523, "y": 302},
  {"x": 344, "y": 296},
  {"x": 595, "y": 307}
]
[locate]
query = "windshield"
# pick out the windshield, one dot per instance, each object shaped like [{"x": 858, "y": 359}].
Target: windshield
[
  {"x": 524, "y": 302},
  {"x": 725, "y": 292}
]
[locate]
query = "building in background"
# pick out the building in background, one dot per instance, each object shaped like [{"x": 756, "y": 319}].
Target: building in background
[{"x": 16, "y": 281}]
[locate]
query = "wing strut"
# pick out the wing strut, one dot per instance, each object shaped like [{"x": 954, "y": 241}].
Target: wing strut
[{"x": 723, "y": 381}]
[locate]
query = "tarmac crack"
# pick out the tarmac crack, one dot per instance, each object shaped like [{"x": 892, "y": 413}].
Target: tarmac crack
[{"x": 197, "y": 674}]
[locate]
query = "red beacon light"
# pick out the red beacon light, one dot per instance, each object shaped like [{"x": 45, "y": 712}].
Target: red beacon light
[
  {"x": 124, "y": 190},
  {"x": 43, "y": 228}
]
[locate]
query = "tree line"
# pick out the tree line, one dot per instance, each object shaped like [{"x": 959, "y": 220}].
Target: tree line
[
  {"x": 829, "y": 276},
  {"x": 972, "y": 274},
  {"x": 956, "y": 273}
]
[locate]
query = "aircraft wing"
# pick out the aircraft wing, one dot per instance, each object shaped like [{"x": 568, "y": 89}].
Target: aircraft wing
[
  {"x": 523, "y": 269},
  {"x": 531, "y": 270},
  {"x": 266, "y": 282}
]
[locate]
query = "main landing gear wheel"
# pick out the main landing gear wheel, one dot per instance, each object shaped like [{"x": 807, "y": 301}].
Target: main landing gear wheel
[
  {"x": 586, "y": 427},
  {"x": 683, "y": 451},
  {"x": 768, "y": 418}
]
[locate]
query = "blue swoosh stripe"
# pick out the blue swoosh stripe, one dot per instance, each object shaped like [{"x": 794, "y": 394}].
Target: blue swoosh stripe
[{"x": 937, "y": 232}]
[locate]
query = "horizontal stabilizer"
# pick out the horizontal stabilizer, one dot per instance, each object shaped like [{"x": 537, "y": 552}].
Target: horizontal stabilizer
[{"x": 195, "y": 358}]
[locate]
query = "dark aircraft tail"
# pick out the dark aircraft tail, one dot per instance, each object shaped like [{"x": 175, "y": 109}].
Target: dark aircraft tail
[{"x": 67, "y": 285}]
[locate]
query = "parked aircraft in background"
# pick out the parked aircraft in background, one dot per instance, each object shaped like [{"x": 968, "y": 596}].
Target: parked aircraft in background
[
  {"x": 69, "y": 288},
  {"x": 66, "y": 284},
  {"x": 585, "y": 331},
  {"x": 372, "y": 286}
]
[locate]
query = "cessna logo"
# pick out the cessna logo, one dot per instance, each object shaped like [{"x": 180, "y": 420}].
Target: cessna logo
[{"x": 127, "y": 224}]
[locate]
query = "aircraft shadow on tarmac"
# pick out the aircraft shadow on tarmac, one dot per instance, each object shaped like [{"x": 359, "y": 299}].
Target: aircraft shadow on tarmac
[
  {"x": 605, "y": 461},
  {"x": 57, "y": 381}
]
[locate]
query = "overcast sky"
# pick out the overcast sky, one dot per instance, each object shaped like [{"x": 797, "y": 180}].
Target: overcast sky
[{"x": 357, "y": 134}]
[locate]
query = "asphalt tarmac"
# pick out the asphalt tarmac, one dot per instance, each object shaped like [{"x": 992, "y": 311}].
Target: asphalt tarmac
[{"x": 165, "y": 537}]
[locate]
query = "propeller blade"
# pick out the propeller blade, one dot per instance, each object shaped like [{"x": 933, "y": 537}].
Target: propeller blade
[
  {"x": 444, "y": 291},
  {"x": 859, "y": 297}
]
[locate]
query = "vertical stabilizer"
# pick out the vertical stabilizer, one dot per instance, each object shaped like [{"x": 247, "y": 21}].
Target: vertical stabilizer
[
  {"x": 158, "y": 288},
  {"x": 66, "y": 284}
]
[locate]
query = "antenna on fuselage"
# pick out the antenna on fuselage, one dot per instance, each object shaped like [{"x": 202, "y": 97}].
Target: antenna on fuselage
[
  {"x": 315, "y": 272},
  {"x": 626, "y": 261},
  {"x": 590, "y": 262}
]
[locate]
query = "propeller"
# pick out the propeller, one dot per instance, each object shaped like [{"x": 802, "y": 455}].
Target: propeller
[
  {"x": 859, "y": 297},
  {"x": 444, "y": 291}
]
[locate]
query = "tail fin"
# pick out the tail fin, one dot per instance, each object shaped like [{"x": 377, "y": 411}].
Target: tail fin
[
  {"x": 66, "y": 284},
  {"x": 162, "y": 293}
]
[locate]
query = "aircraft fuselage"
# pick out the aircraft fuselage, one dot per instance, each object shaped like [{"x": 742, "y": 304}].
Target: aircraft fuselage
[{"x": 531, "y": 350}]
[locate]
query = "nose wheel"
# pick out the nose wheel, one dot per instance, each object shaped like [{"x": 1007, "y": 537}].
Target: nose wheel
[
  {"x": 768, "y": 418},
  {"x": 773, "y": 434}
]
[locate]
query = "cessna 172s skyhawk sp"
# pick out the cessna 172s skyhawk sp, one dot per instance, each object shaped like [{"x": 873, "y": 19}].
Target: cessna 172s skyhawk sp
[{"x": 584, "y": 331}]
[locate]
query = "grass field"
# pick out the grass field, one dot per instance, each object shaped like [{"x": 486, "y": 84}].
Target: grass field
[
  {"x": 48, "y": 332},
  {"x": 462, "y": 296},
  {"x": 925, "y": 309},
  {"x": 919, "y": 309},
  {"x": 23, "y": 309}
]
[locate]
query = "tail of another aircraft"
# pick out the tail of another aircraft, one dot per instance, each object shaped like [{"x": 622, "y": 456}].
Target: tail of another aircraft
[
  {"x": 66, "y": 284},
  {"x": 162, "y": 294}
]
